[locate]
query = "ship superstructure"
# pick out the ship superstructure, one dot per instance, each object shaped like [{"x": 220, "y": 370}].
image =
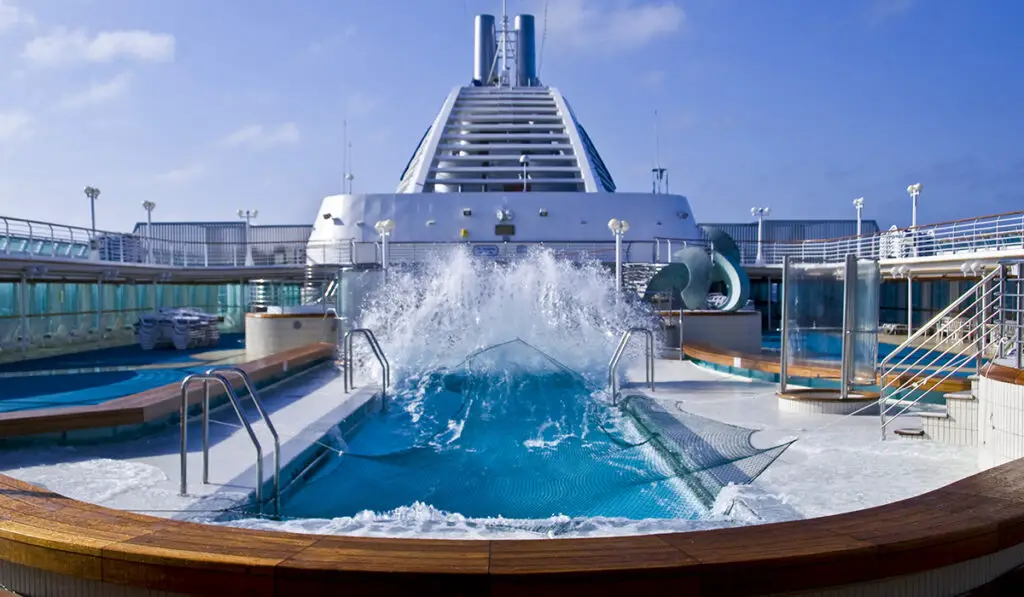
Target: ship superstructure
[{"x": 505, "y": 159}]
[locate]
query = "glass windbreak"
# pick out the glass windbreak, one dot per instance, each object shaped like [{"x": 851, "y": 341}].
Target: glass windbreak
[
  {"x": 864, "y": 327},
  {"x": 814, "y": 316}
]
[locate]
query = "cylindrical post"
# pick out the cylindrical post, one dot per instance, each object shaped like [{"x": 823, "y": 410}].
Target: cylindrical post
[
  {"x": 100, "y": 329},
  {"x": 760, "y": 227},
  {"x": 384, "y": 256},
  {"x": 983, "y": 316},
  {"x": 1002, "y": 307},
  {"x": 206, "y": 431},
  {"x": 23, "y": 310},
  {"x": 184, "y": 438},
  {"x": 910, "y": 305},
  {"x": 92, "y": 214},
  {"x": 618, "y": 262},
  {"x": 784, "y": 325},
  {"x": 849, "y": 300}
]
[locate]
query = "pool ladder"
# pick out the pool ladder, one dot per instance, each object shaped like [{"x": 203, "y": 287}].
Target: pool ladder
[
  {"x": 349, "y": 369},
  {"x": 216, "y": 374},
  {"x": 613, "y": 387}
]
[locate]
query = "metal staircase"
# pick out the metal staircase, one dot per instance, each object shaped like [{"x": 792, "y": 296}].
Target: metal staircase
[{"x": 959, "y": 338}]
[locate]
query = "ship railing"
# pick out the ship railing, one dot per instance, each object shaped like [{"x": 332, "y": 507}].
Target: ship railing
[
  {"x": 613, "y": 364},
  {"x": 972, "y": 329},
  {"x": 30, "y": 239}
]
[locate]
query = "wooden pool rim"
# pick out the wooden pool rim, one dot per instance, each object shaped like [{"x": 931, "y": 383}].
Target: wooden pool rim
[
  {"x": 943, "y": 534},
  {"x": 768, "y": 362}
]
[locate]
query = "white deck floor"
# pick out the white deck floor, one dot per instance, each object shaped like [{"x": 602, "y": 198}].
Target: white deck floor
[
  {"x": 838, "y": 463},
  {"x": 143, "y": 475}
]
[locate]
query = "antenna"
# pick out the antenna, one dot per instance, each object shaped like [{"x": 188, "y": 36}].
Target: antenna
[
  {"x": 504, "y": 44},
  {"x": 543, "y": 38},
  {"x": 659, "y": 175},
  {"x": 349, "y": 176},
  {"x": 344, "y": 153}
]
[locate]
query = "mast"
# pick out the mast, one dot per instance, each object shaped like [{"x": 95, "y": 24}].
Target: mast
[
  {"x": 659, "y": 175},
  {"x": 344, "y": 154}
]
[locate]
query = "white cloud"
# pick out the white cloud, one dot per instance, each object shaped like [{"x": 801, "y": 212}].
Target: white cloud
[
  {"x": 886, "y": 9},
  {"x": 14, "y": 125},
  {"x": 98, "y": 93},
  {"x": 626, "y": 25},
  {"x": 12, "y": 16},
  {"x": 69, "y": 47},
  {"x": 182, "y": 175},
  {"x": 257, "y": 136}
]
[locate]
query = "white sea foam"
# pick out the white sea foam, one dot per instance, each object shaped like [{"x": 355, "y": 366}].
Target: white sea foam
[
  {"x": 436, "y": 315},
  {"x": 423, "y": 521}
]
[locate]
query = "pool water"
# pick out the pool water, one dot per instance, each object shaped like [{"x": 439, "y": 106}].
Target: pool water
[
  {"x": 97, "y": 376},
  {"x": 526, "y": 440},
  {"x": 825, "y": 346}
]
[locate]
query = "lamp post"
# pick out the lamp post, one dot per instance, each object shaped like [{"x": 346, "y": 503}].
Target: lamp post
[
  {"x": 618, "y": 228},
  {"x": 93, "y": 194},
  {"x": 760, "y": 213},
  {"x": 248, "y": 216},
  {"x": 384, "y": 228},
  {"x": 149, "y": 206},
  {"x": 524, "y": 161},
  {"x": 348, "y": 180},
  {"x": 914, "y": 191},
  {"x": 858, "y": 204}
]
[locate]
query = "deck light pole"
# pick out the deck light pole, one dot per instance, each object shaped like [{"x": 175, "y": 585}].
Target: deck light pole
[
  {"x": 524, "y": 161},
  {"x": 618, "y": 228},
  {"x": 93, "y": 194},
  {"x": 914, "y": 191},
  {"x": 149, "y": 206},
  {"x": 760, "y": 213},
  {"x": 858, "y": 204},
  {"x": 384, "y": 228},
  {"x": 248, "y": 215}
]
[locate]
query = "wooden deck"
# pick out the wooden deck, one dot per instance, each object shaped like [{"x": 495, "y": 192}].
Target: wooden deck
[
  {"x": 768, "y": 362},
  {"x": 151, "y": 405},
  {"x": 973, "y": 518},
  {"x": 64, "y": 541}
]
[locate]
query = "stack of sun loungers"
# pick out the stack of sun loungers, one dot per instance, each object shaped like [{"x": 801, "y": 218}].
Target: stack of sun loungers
[{"x": 181, "y": 328}]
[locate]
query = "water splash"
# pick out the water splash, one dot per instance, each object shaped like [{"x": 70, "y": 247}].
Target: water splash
[{"x": 433, "y": 316}]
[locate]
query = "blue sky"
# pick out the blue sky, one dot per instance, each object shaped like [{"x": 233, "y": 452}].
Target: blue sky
[{"x": 801, "y": 105}]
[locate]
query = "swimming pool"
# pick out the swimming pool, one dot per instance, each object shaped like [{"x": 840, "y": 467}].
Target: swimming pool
[
  {"x": 824, "y": 346},
  {"x": 97, "y": 376},
  {"x": 511, "y": 434}
]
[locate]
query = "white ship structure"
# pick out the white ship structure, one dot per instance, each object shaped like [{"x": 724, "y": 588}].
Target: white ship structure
[{"x": 506, "y": 160}]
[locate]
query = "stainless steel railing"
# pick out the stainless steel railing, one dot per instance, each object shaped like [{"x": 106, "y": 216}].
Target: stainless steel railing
[
  {"x": 233, "y": 398},
  {"x": 348, "y": 366},
  {"x": 613, "y": 388},
  {"x": 263, "y": 415}
]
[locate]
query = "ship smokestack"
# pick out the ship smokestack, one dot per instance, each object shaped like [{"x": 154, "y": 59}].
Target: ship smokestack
[
  {"x": 485, "y": 48},
  {"x": 526, "y": 51}
]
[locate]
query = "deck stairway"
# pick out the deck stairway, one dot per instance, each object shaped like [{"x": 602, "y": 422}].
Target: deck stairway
[{"x": 956, "y": 342}]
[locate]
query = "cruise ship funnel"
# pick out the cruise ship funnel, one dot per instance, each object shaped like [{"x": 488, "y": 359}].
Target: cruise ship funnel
[
  {"x": 526, "y": 51},
  {"x": 485, "y": 48}
]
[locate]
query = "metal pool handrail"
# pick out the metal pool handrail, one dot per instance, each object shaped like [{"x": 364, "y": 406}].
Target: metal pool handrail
[
  {"x": 347, "y": 352},
  {"x": 621, "y": 348},
  {"x": 206, "y": 377},
  {"x": 263, "y": 415}
]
